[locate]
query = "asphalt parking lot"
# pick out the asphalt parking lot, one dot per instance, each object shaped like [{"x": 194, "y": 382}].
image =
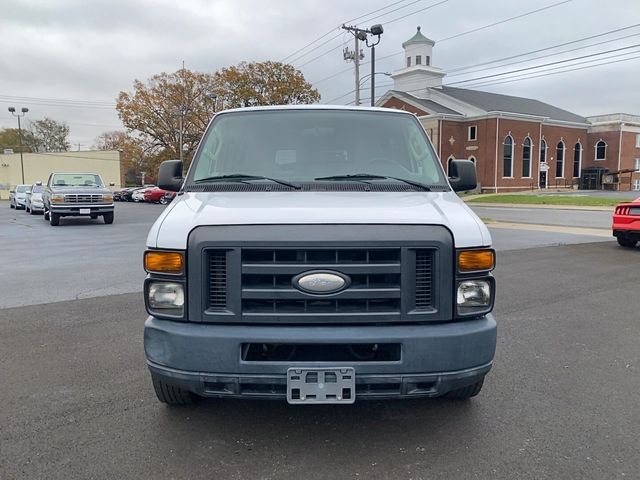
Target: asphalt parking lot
[{"x": 76, "y": 401}]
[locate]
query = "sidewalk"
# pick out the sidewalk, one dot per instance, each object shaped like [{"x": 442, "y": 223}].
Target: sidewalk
[{"x": 549, "y": 207}]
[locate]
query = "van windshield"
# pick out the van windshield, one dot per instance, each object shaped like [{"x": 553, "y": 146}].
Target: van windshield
[{"x": 309, "y": 145}]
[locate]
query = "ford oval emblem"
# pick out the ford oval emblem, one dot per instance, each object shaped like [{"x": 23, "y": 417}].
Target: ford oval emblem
[{"x": 321, "y": 283}]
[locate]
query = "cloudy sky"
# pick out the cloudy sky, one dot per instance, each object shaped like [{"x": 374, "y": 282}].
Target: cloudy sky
[{"x": 68, "y": 59}]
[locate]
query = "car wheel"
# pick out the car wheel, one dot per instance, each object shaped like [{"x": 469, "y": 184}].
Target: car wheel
[
  {"x": 11, "y": 205},
  {"x": 108, "y": 218},
  {"x": 465, "y": 392},
  {"x": 163, "y": 200},
  {"x": 54, "y": 219},
  {"x": 170, "y": 394},
  {"x": 626, "y": 242},
  {"x": 46, "y": 215},
  {"x": 31, "y": 211}
]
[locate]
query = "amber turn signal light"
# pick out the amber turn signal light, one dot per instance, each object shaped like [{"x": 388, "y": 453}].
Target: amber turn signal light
[
  {"x": 171, "y": 263},
  {"x": 476, "y": 260}
]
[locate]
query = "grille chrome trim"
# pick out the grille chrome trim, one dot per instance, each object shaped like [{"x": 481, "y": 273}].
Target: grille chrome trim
[{"x": 83, "y": 198}]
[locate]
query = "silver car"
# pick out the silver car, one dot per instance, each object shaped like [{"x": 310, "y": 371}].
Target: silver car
[
  {"x": 18, "y": 197},
  {"x": 34, "y": 203}
]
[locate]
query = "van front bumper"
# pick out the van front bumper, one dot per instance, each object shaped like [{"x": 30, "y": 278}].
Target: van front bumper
[{"x": 206, "y": 359}]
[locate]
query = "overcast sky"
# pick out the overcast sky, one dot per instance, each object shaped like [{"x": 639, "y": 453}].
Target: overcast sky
[{"x": 87, "y": 51}]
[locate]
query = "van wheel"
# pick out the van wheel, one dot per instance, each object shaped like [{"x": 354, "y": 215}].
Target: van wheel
[
  {"x": 170, "y": 394},
  {"x": 465, "y": 392},
  {"x": 54, "y": 219},
  {"x": 626, "y": 242},
  {"x": 108, "y": 218}
]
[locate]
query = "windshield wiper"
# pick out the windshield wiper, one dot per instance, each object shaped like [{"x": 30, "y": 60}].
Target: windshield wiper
[
  {"x": 370, "y": 176},
  {"x": 241, "y": 177}
]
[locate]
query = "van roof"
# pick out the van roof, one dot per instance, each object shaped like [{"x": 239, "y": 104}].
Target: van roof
[{"x": 315, "y": 107}]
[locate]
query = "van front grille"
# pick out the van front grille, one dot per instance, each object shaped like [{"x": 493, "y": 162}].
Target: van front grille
[{"x": 267, "y": 282}]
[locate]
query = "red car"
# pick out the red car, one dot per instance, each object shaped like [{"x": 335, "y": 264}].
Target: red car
[
  {"x": 155, "y": 195},
  {"x": 626, "y": 223}
]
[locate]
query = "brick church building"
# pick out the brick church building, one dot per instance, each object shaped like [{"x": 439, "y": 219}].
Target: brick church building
[{"x": 516, "y": 143}]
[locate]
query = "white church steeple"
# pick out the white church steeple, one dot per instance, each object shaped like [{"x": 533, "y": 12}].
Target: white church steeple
[{"x": 418, "y": 73}]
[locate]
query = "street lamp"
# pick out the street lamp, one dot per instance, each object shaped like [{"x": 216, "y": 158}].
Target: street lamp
[
  {"x": 377, "y": 31},
  {"x": 377, "y": 73},
  {"x": 24, "y": 111},
  {"x": 214, "y": 98}
]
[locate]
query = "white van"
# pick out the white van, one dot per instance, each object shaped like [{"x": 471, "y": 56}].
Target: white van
[{"x": 318, "y": 254}]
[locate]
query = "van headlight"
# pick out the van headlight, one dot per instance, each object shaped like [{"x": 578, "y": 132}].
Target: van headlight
[
  {"x": 165, "y": 298},
  {"x": 474, "y": 296}
]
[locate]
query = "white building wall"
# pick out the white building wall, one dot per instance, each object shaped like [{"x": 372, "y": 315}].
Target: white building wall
[{"x": 38, "y": 167}]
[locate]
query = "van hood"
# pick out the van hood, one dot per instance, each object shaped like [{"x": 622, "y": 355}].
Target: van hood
[{"x": 191, "y": 210}]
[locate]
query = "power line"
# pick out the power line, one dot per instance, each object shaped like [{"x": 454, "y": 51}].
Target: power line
[
  {"x": 60, "y": 100},
  {"x": 347, "y": 21},
  {"x": 532, "y": 75},
  {"x": 558, "y": 67},
  {"x": 506, "y": 20},
  {"x": 452, "y": 70},
  {"x": 374, "y": 18},
  {"x": 556, "y": 73},
  {"x": 544, "y": 56},
  {"x": 531, "y": 12},
  {"x": 545, "y": 64}
]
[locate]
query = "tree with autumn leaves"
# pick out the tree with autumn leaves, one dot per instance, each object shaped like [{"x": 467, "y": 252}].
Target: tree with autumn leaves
[{"x": 154, "y": 111}]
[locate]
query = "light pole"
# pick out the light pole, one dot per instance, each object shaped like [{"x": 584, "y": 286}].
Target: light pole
[
  {"x": 24, "y": 111},
  {"x": 181, "y": 115},
  {"x": 376, "y": 30}
]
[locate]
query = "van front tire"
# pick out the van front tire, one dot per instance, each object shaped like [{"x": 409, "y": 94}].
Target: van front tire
[{"x": 170, "y": 394}]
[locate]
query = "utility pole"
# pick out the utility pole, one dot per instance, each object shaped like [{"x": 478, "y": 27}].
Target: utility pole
[
  {"x": 355, "y": 56},
  {"x": 361, "y": 34}
]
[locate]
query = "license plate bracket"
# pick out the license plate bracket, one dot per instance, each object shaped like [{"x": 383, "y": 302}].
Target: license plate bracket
[
  {"x": 85, "y": 211},
  {"x": 321, "y": 385}
]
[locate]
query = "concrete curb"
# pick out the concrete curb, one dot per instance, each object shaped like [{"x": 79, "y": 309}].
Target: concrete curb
[{"x": 543, "y": 207}]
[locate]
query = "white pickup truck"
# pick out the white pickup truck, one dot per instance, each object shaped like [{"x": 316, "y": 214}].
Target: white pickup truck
[{"x": 318, "y": 254}]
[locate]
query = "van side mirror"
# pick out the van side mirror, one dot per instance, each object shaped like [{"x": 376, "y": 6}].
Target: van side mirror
[
  {"x": 170, "y": 175},
  {"x": 112, "y": 184},
  {"x": 462, "y": 175}
]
